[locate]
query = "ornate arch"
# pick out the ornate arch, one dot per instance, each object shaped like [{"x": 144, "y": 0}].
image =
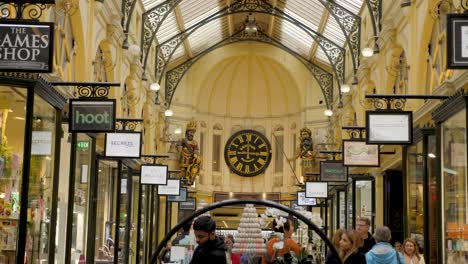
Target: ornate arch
[{"x": 324, "y": 78}]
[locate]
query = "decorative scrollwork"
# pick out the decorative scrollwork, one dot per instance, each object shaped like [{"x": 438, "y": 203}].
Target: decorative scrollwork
[
  {"x": 334, "y": 52},
  {"x": 22, "y": 10},
  {"x": 464, "y": 4},
  {"x": 324, "y": 78},
  {"x": 389, "y": 103},
  {"x": 93, "y": 91},
  {"x": 350, "y": 24},
  {"x": 129, "y": 125}
]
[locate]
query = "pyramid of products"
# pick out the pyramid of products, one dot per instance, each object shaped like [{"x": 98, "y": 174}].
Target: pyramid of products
[{"x": 249, "y": 238}]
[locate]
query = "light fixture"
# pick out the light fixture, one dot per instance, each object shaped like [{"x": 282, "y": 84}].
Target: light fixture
[
  {"x": 345, "y": 88},
  {"x": 178, "y": 131},
  {"x": 10, "y": 110},
  {"x": 367, "y": 52},
  {"x": 431, "y": 155},
  {"x": 168, "y": 112},
  {"x": 2, "y": 195},
  {"x": 328, "y": 112},
  {"x": 19, "y": 118},
  {"x": 250, "y": 25},
  {"x": 155, "y": 87}
]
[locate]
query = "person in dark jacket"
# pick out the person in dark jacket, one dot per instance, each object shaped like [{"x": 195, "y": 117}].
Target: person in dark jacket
[
  {"x": 362, "y": 226},
  {"x": 349, "y": 248},
  {"x": 210, "y": 249}
]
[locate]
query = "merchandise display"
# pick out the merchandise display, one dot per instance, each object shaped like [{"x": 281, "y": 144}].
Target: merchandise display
[{"x": 249, "y": 239}]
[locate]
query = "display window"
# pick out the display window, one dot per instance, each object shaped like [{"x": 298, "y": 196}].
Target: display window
[
  {"x": 342, "y": 209},
  {"x": 455, "y": 188},
  {"x": 349, "y": 206},
  {"x": 364, "y": 200},
  {"x": 12, "y": 124},
  {"x": 105, "y": 212},
  {"x": 415, "y": 193},
  {"x": 432, "y": 199},
  {"x": 41, "y": 181}
]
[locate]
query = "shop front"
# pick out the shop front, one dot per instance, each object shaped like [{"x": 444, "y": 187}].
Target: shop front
[
  {"x": 360, "y": 200},
  {"x": 421, "y": 207},
  {"x": 31, "y": 112},
  {"x": 451, "y": 119}
]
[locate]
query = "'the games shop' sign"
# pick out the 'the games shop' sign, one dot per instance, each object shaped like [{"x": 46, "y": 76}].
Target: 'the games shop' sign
[{"x": 26, "y": 46}]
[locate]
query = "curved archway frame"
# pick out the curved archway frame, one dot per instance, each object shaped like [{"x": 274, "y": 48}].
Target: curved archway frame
[
  {"x": 324, "y": 78},
  {"x": 349, "y": 23},
  {"x": 236, "y": 202}
]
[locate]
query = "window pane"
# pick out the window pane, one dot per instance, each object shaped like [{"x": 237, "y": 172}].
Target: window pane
[
  {"x": 415, "y": 191},
  {"x": 454, "y": 187},
  {"x": 41, "y": 181},
  {"x": 12, "y": 116}
]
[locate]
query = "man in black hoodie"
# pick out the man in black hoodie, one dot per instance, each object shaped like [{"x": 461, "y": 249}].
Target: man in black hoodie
[
  {"x": 362, "y": 226},
  {"x": 210, "y": 249}
]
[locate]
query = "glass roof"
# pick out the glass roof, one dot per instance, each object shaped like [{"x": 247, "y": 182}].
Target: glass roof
[{"x": 311, "y": 14}]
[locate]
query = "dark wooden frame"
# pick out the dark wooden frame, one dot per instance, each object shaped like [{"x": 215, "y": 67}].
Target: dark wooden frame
[
  {"x": 315, "y": 182},
  {"x": 71, "y": 128},
  {"x": 297, "y": 195},
  {"x": 333, "y": 162},
  {"x": 383, "y": 113},
  {"x": 178, "y": 180},
  {"x": 174, "y": 198},
  {"x": 154, "y": 165},
  {"x": 123, "y": 157},
  {"x": 189, "y": 209},
  {"x": 357, "y": 165},
  {"x": 454, "y": 45}
]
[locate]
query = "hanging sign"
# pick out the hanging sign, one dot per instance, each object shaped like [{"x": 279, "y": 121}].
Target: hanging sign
[
  {"x": 26, "y": 46},
  {"x": 92, "y": 115},
  {"x": 182, "y": 197},
  {"x": 190, "y": 204},
  {"x": 302, "y": 200},
  {"x": 41, "y": 143},
  {"x": 153, "y": 174},
  {"x": 457, "y": 41},
  {"x": 316, "y": 190},
  {"x": 333, "y": 171},
  {"x": 389, "y": 127},
  {"x": 357, "y": 153},
  {"x": 171, "y": 188},
  {"x": 123, "y": 145}
]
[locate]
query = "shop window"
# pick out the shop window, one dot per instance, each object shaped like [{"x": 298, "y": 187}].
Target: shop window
[
  {"x": 364, "y": 201},
  {"x": 12, "y": 124},
  {"x": 415, "y": 193},
  {"x": 454, "y": 188},
  {"x": 41, "y": 181}
]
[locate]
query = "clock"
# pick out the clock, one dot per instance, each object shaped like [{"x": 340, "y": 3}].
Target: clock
[{"x": 247, "y": 153}]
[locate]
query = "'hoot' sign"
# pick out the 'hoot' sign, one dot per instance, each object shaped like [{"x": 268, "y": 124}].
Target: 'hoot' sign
[{"x": 26, "y": 46}]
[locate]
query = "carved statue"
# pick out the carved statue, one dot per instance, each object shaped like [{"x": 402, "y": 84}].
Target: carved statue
[
  {"x": 305, "y": 151},
  {"x": 190, "y": 161}
]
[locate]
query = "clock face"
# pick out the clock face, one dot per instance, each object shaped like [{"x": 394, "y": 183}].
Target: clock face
[{"x": 247, "y": 153}]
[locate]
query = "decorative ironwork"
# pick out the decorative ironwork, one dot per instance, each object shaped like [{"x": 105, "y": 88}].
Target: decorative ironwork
[
  {"x": 92, "y": 91},
  {"x": 355, "y": 131},
  {"x": 127, "y": 10},
  {"x": 389, "y": 103},
  {"x": 21, "y": 10},
  {"x": 375, "y": 11},
  {"x": 464, "y": 4},
  {"x": 153, "y": 159},
  {"x": 350, "y": 24},
  {"x": 151, "y": 21},
  {"x": 335, "y": 53},
  {"x": 324, "y": 78},
  {"x": 129, "y": 124}
]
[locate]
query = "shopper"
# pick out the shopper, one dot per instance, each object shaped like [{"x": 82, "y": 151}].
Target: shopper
[
  {"x": 411, "y": 252},
  {"x": 210, "y": 249},
  {"x": 165, "y": 256},
  {"x": 383, "y": 252},
  {"x": 281, "y": 245},
  {"x": 397, "y": 246},
  {"x": 333, "y": 258},
  {"x": 229, "y": 241},
  {"x": 185, "y": 232},
  {"x": 362, "y": 226},
  {"x": 350, "y": 243}
]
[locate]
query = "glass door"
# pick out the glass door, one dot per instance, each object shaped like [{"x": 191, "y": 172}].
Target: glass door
[{"x": 364, "y": 200}]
